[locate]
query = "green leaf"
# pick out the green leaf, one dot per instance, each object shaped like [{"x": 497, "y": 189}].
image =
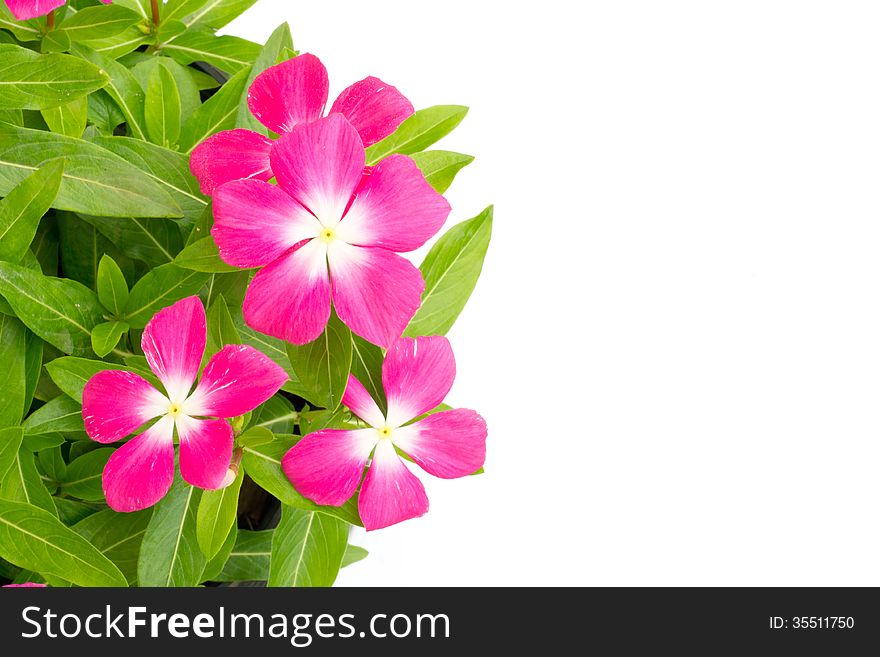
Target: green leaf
[
  {"x": 451, "y": 270},
  {"x": 170, "y": 554},
  {"x": 95, "y": 23},
  {"x": 216, "y": 564},
  {"x": 218, "y": 113},
  {"x": 83, "y": 478},
  {"x": 160, "y": 288},
  {"x": 13, "y": 341},
  {"x": 29, "y": 30},
  {"x": 269, "y": 56},
  {"x": 104, "y": 114},
  {"x": 255, "y": 436},
  {"x": 353, "y": 554},
  {"x": 87, "y": 184},
  {"x": 33, "y": 366},
  {"x": 323, "y": 366},
  {"x": 71, "y": 512},
  {"x": 62, "y": 312},
  {"x": 32, "y": 81},
  {"x": 81, "y": 248},
  {"x": 51, "y": 462},
  {"x": 22, "y": 483},
  {"x": 262, "y": 463},
  {"x": 59, "y": 415},
  {"x": 34, "y": 539},
  {"x": 121, "y": 44},
  {"x": 228, "y": 53},
  {"x": 221, "y": 328},
  {"x": 366, "y": 365},
  {"x": 40, "y": 442},
  {"x": 118, "y": 536},
  {"x": 71, "y": 374},
  {"x": 203, "y": 256},
  {"x": 122, "y": 88},
  {"x": 106, "y": 336},
  {"x": 307, "y": 549},
  {"x": 277, "y": 415},
  {"x": 249, "y": 559},
  {"x": 190, "y": 100},
  {"x": 217, "y": 13},
  {"x": 112, "y": 288},
  {"x": 418, "y": 132},
  {"x": 162, "y": 108},
  {"x": 153, "y": 241},
  {"x": 441, "y": 167},
  {"x": 216, "y": 516},
  {"x": 24, "y": 205},
  {"x": 177, "y": 10},
  {"x": 69, "y": 119},
  {"x": 10, "y": 442}
]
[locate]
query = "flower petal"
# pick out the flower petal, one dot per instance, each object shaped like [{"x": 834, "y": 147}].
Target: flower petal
[
  {"x": 231, "y": 155},
  {"x": 26, "y": 585},
  {"x": 327, "y": 466},
  {"x": 205, "y": 451},
  {"x": 25, "y": 9},
  {"x": 320, "y": 164},
  {"x": 140, "y": 472},
  {"x": 374, "y": 108},
  {"x": 394, "y": 208},
  {"x": 449, "y": 444},
  {"x": 375, "y": 292},
  {"x": 417, "y": 375},
  {"x": 174, "y": 343},
  {"x": 256, "y": 223},
  {"x": 290, "y": 93},
  {"x": 391, "y": 493},
  {"x": 116, "y": 403},
  {"x": 237, "y": 379},
  {"x": 359, "y": 401},
  {"x": 290, "y": 299}
]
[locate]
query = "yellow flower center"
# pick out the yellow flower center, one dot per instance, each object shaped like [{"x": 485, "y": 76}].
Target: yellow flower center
[
  {"x": 174, "y": 410},
  {"x": 328, "y": 235},
  {"x": 384, "y": 432}
]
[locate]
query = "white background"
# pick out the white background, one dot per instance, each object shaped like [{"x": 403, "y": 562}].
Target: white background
[{"x": 676, "y": 338}]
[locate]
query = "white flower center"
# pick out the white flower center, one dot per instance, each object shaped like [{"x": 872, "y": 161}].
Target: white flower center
[
  {"x": 384, "y": 432},
  {"x": 327, "y": 235}
]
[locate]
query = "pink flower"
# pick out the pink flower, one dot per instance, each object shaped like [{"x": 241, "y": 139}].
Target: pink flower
[
  {"x": 329, "y": 229},
  {"x": 327, "y": 466},
  {"x": 25, "y": 9},
  {"x": 236, "y": 380},
  {"x": 287, "y": 95},
  {"x": 26, "y": 585}
]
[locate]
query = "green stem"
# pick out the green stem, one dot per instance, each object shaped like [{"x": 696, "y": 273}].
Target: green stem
[{"x": 154, "y": 5}]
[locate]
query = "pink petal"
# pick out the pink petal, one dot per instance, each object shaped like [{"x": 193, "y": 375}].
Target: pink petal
[
  {"x": 141, "y": 471},
  {"x": 394, "y": 208},
  {"x": 116, "y": 403},
  {"x": 449, "y": 444},
  {"x": 256, "y": 223},
  {"x": 374, "y": 108},
  {"x": 205, "y": 451},
  {"x": 327, "y": 466},
  {"x": 320, "y": 165},
  {"x": 174, "y": 342},
  {"x": 359, "y": 401},
  {"x": 375, "y": 292},
  {"x": 290, "y": 299},
  {"x": 231, "y": 155},
  {"x": 25, "y": 9},
  {"x": 417, "y": 375},
  {"x": 290, "y": 93},
  {"x": 26, "y": 585},
  {"x": 391, "y": 493},
  {"x": 237, "y": 379}
]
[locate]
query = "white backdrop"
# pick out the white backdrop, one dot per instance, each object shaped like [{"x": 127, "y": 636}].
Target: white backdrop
[{"x": 676, "y": 338}]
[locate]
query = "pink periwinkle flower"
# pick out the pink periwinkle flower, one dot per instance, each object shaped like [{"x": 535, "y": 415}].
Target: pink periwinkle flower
[
  {"x": 25, "y": 9},
  {"x": 284, "y": 96},
  {"x": 329, "y": 230},
  {"x": 236, "y": 380},
  {"x": 327, "y": 466}
]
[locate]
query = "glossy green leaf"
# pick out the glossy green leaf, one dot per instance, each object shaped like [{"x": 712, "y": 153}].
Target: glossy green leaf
[
  {"x": 323, "y": 366},
  {"x": 69, "y": 119},
  {"x": 419, "y": 131},
  {"x": 279, "y": 41},
  {"x": 87, "y": 186},
  {"x": 10, "y": 443},
  {"x": 177, "y": 10},
  {"x": 62, "y": 312},
  {"x": 83, "y": 477},
  {"x": 203, "y": 256},
  {"x": 33, "y": 368},
  {"x": 441, "y": 167},
  {"x": 187, "y": 89},
  {"x": 216, "y": 516},
  {"x": 160, "y": 288},
  {"x": 353, "y": 554},
  {"x": 217, "y": 13},
  {"x": 221, "y": 328},
  {"x": 249, "y": 559},
  {"x": 218, "y": 113},
  {"x": 451, "y": 270},
  {"x": 255, "y": 436},
  {"x": 112, "y": 287},
  {"x": 216, "y": 564},
  {"x": 307, "y": 549},
  {"x": 162, "y": 108},
  {"x": 51, "y": 462},
  {"x": 59, "y": 415},
  {"x": 29, "y": 80},
  {"x": 170, "y": 554},
  {"x": 81, "y": 249},
  {"x": 22, "y": 483},
  {"x": 118, "y": 536},
  {"x": 71, "y": 512},
  {"x": 34, "y": 539},
  {"x": 43, "y": 441},
  {"x": 366, "y": 366},
  {"x": 121, "y": 44},
  {"x": 262, "y": 463},
  {"x": 24, "y": 205},
  {"x": 106, "y": 336},
  {"x": 97, "y": 23},
  {"x": 277, "y": 415},
  {"x": 13, "y": 341},
  {"x": 228, "y": 53},
  {"x": 153, "y": 241},
  {"x": 29, "y": 30},
  {"x": 71, "y": 374}
]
